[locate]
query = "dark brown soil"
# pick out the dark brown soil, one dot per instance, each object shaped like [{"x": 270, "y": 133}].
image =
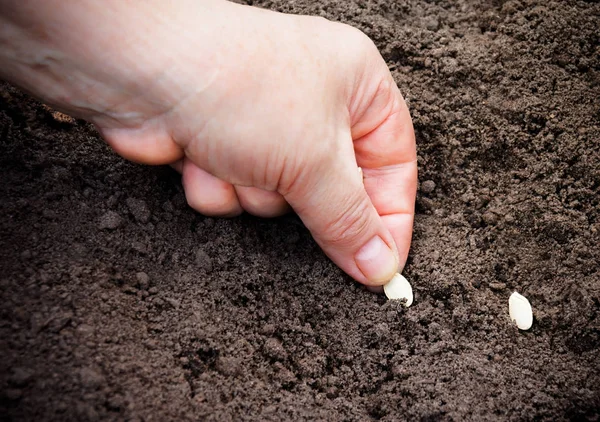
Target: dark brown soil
[{"x": 121, "y": 303}]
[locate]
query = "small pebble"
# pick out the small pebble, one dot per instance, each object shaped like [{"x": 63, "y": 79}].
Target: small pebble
[
  {"x": 143, "y": 280},
  {"x": 520, "y": 311},
  {"x": 490, "y": 218},
  {"x": 62, "y": 117},
  {"x": 173, "y": 302},
  {"x": 428, "y": 186},
  {"x": 274, "y": 349},
  {"x": 111, "y": 221},
  {"x": 139, "y": 209},
  {"x": 432, "y": 24},
  {"x": 399, "y": 288},
  {"x": 497, "y": 286},
  {"x": 268, "y": 329}
]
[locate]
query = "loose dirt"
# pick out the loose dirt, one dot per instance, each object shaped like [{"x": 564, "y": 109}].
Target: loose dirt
[{"x": 121, "y": 303}]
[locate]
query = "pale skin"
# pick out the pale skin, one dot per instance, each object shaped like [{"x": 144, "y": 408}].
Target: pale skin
[{"x": 260, "y": 111}]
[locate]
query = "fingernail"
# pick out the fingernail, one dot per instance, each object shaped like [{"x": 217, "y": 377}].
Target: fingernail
[{"x": 376, "y": 261}]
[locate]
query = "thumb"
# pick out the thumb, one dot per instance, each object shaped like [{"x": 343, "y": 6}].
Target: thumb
[{"x": 334, "y": 206}]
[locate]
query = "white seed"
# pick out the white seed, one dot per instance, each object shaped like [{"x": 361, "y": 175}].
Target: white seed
[
  {"x": 399, "y": 288},
  {"x": 520, "y": 311},
  {"x": 360, "y": 174}
]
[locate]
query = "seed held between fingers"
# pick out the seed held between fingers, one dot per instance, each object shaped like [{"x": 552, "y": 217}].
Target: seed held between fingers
[{"x": 399, "y": 288}]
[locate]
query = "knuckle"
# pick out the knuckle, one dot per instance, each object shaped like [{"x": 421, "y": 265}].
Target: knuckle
[
  {"x": 351, "y": 226},
  {"x": 298, "y": 169},
  {"x": 358, "y": 36}
]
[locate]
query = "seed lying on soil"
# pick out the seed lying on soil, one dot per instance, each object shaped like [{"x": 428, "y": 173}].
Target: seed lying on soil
[
  {"x": 399, "y": 288},
  {"x": 520, "y": 311}
]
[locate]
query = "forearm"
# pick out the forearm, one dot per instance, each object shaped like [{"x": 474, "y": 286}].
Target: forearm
[{"x": 66, "y": 51}]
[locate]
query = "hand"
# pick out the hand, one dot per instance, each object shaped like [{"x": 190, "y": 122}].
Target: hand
[{"x": 260, "y": 111}]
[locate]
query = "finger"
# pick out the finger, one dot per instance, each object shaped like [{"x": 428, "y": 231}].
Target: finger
[
  {"x": 208, "y": 194},
  {"x": 333, "y": 204},
  {"x": 143, "y": 145},
  {"x": 400, "y": 226},
  {"x": 388, "y": 159},
  {"x": 261, "y": 203}
]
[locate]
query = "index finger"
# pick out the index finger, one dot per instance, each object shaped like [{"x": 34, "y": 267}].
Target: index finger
[{"x": 388, "y": 158}]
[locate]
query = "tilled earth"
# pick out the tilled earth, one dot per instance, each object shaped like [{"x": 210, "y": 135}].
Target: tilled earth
[{"x": 121, "y": 303}]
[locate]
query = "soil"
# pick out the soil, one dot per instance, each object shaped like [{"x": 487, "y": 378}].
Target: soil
[{"x": 121, "y": 303}]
